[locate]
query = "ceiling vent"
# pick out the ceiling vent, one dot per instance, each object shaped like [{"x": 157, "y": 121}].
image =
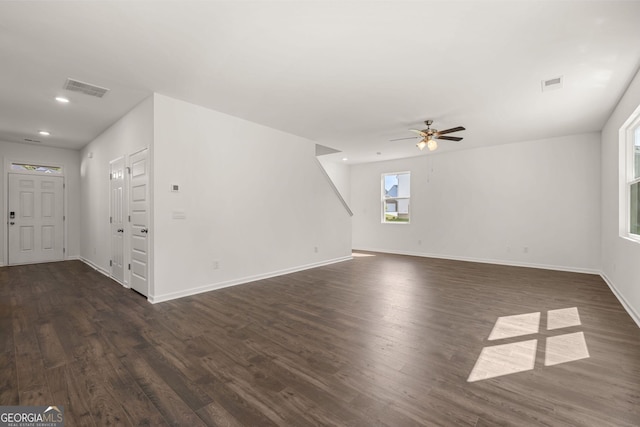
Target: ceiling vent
[
  {"x": 552, "y": 84},
  {"x": 31, "y": 140},
  {"x": 86, "y": 88}
]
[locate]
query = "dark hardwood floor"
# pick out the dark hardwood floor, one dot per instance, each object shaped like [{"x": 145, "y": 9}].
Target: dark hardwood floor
[{"x": 381, "y": 340}]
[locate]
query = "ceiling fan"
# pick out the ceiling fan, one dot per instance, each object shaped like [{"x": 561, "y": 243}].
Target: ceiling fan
[{"x": 429, "y": 136}]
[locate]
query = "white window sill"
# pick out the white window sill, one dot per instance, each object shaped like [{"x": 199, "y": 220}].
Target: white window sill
[{"x": 633, "y": 239}]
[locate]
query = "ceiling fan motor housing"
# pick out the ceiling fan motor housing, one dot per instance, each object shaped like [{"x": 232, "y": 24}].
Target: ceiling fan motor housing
[{"x": 428, "y": 130}]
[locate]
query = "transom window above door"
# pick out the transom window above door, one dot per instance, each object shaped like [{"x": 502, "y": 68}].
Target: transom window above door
[{"x": 34, "y": 168}]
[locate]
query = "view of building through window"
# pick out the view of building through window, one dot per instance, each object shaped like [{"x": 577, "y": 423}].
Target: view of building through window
[{"x": 396, "y": 193}]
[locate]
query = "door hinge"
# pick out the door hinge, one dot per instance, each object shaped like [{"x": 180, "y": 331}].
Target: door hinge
[
  {"x": 64, "y": 185},
  {"x": 64, "y": 250},
  {"x": 110, "y": 176},
  {"x": 110, "y": 263},
  {"x": 64, "y": 218},
  {"x": 110, "y": 220},
  {"x": 128, "y": 170},
  {"x": 129, "y": 218},
  {"x": 129, "y": 266}
]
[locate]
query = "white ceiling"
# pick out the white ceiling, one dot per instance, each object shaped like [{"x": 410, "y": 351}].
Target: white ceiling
[{"x": 347, "y": 75}]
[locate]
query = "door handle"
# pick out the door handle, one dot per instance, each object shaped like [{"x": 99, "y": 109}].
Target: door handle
[
  {"x": 144, "y": 230},
  {"x": 120, "y": 230},
  {"x": 11, "y": 223}
]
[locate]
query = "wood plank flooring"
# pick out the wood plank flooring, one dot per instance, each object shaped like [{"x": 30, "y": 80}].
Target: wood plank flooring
[{"x": 382, "y": 340}]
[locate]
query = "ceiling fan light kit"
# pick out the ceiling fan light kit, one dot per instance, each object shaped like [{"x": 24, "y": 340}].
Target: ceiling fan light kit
[
  {"x": 429, "y": 136},
  {"x": 428, "y": 142}
]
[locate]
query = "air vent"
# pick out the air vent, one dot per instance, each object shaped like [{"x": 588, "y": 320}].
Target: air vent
[
  {"x": 32, "y": 140},
  {"x": 552, "y": 84},
  {"x": 86, "y": 88}
]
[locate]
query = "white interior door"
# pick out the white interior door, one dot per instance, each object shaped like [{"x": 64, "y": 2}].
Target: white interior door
[
  {"x": 139, "y": 205},
  {"x": 36, "y": 222},
  {"x": 117, "y": 217}
]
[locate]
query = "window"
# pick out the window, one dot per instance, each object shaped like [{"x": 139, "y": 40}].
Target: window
[
  {"x": 633, "y": 180},
  {"x": 396, "y": 190},
  {"x": 24, "y": 167}
]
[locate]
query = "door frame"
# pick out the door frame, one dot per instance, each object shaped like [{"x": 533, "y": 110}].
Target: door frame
[
  {"x": 126, "y": 224},
  {"x": 5, "y": 202},
  {"x": 149, "y": 192}
]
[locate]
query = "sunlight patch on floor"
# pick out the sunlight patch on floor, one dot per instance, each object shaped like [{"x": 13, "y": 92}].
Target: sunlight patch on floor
[
  {"x": 498, "y": 360},
  {"x": 565, "y": 348},
  {"x": 515, "y": 326},
  {"x": 360, "y": 255},
  {"x": 504, "y": 359},
  {"x": 563, "y": 318}
]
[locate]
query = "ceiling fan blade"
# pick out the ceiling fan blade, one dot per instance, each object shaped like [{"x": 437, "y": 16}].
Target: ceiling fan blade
[
  {"x": 456, "y": 129},
  {"x": 400, "y": 139},
  {"x": 449, "y": 138},
  {"x": 422, "y": 133}
]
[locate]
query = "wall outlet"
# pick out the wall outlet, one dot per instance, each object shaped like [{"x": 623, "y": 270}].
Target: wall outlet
[
  {"x": 215, "y": 264},
  {"x": 525, "y": 249},
  {"x": 315, "y": 249}
]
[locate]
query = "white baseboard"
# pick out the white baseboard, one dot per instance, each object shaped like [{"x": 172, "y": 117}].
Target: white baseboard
[
  {"x": 193, "y": 291},
  {"x": 174, "y": 295},
  {"x": 102, "y": 270},
  {"x": 487, "y": 261},
  {"x": 634, "y": 315},
  {"x": 95, "y": 267},
  {"x": 628, "y": 308}
]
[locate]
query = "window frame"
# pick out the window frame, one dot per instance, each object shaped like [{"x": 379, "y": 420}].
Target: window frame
[
  {"x": 29, "y": 168},
  {"x": 631, "y": 130},
  {"x": 384, "y": 198}
]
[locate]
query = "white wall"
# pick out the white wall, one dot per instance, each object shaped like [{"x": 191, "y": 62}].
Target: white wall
[
  {"x": 70, "y": 160},
  {"x": 255, "y": 199},
  {"x": 620, "y": 256},
  {"x": 131, "y": 133},
  {"x": 489, "y": 204},
  {"x": 340, "y": 174}
]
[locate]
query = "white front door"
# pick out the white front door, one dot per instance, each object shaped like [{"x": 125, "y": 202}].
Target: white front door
[
  {"x": 139, "y": 205},
  {"x": 117, "y": 215},
  {"x": 36, "y": 222}
]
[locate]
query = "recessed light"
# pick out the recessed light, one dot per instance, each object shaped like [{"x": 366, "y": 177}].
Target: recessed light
[
  {"x": 44, "y": 133},
  {"x": 62, "y": 99},
  {"x": 344, "y": 159}
]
